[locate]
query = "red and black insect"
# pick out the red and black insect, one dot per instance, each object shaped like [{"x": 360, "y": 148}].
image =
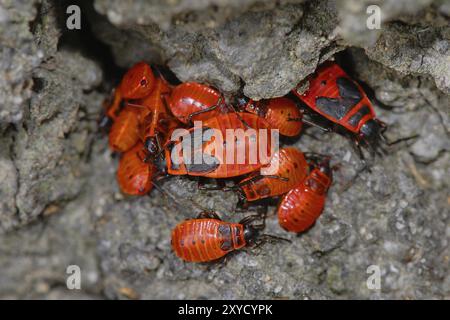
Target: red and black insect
[
  {"x": 335, "y": 96},
  {"x": 281, "y": 113},
  {"x": 137, "y": 83},
  {"x": 134, "y": 175},
  {"x": 124, "y": 133},
  {"x": 208, "y": 238},
  {"x": 208, "y": 147},
  {"x": 192, "y": 101},
  {"x": 300, "y": 207},
  {"x": 290, "y": 168}
]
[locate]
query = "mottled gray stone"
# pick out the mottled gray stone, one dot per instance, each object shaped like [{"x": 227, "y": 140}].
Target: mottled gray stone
[
  {"x": 264, "y": 51},
  {"x": 19, "y": 56},
  {"x": 60, "y": 204},
  {"x": 353, "y": 16}
]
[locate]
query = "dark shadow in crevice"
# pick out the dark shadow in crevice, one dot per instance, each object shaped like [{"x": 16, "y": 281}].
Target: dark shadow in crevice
[{"x": 86, "y": 42}]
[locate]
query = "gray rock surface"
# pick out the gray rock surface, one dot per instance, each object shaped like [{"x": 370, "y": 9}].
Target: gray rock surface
[
  {"x": 60, "y": 204},
  {"x": 19, "y": 56}
]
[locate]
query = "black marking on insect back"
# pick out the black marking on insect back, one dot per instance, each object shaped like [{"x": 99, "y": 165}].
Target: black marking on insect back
[
  {"x": 335, "y": 108},
  {"x": 205, "y": 162},
  {"x": 348, "y": 89},
  {"x": 225, "y": 230},
  {"x": 209, "y": 163},
  {"x": 339, "y": 107},
  {"x": 237, "y": 233},
  {"x": 354, "y": 119}
]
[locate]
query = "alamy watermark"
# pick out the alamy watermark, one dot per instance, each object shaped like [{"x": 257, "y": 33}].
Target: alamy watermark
[
  {"x": 374, "y": 280},
  {"x": 73, "y": 281},
  {"x": 73, "y": 22},
  {"x": 374, "y": 19}
]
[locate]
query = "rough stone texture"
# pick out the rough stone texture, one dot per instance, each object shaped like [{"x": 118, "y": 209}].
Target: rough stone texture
[
  {"x": 45, "y": 150},
  {"x": 15, "y": 65},
  {"x": 353, "y": 16},
  {"x": 266, "y": 50},
  {"x": 60, "y": 204}
]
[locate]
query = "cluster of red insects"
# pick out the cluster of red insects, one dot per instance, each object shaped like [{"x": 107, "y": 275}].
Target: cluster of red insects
[{"x": 147, "y": 109}]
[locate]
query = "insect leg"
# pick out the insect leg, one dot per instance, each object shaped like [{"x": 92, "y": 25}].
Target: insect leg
[
  {"x": 249, "y": 219},
  {"x": 193, "y": 114},
  {"x": 113, "y": 110},
  {"x": 242, "y": 204}
]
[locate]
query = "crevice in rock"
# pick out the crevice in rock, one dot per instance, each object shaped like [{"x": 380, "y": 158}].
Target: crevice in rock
[{"x": 86, "y": 42}]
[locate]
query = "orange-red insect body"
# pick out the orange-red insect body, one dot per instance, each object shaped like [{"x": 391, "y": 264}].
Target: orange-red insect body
[
  {"x": 134, "y": 175},
  {"x": 202, "y": 240},
  {"x": 137, "y": 83},
  {"x": 300, "y": 207},
  {"x": 157, "y": 122},
  {"x": 289, "y": 170},
  {"x": 249, "y": 153},
  {"x": 192, "y": 101},
  {"x": 335, "y": 96},
  {"x": 281, "y": 113},
  {"x": 124, "y": 133}
]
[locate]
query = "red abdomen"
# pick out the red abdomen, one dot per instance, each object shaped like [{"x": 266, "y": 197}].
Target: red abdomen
[
  {"x": 137, "y": 83},
  {"x": 289, "y": 164},
  {"x": 133, "y": 175},
  {"x": 190, "y": 97},
  {"x": 124, "y": 132},
  {"x": 202, "y": 240},
  {"x": 300, "y": 207},
  {"x": 284, "y": 115}
]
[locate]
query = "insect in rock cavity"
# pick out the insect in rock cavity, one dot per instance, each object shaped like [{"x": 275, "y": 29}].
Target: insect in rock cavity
[
  {"x": 333, "y": 95},
  {"x": 137, "y": 83}
]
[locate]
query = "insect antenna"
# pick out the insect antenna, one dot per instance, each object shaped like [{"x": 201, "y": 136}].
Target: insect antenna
[
  {"x": 211, "y": 108},
  {"x": 250, "y": 219},
  {"x": 391, "y": 143},
  {"x": 432, "y": 107},
  {"x": 317, "y": 156},
  {"x": 268, "y": 238},
  {"x": 385, "y": 139}
]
